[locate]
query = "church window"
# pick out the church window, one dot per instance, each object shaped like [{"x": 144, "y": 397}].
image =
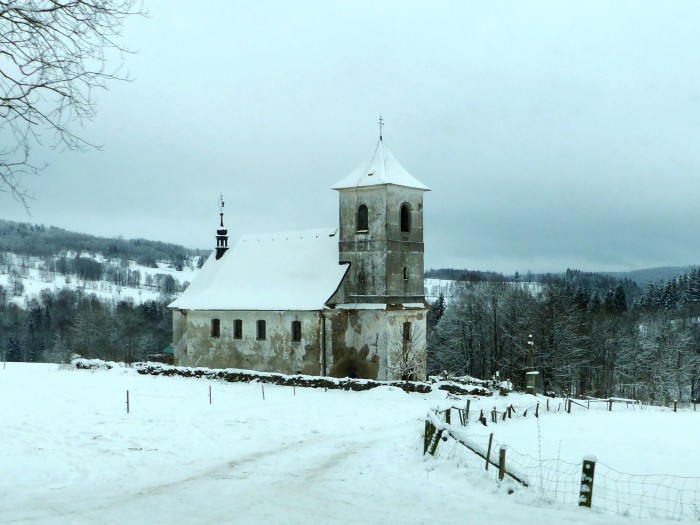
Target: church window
[
  {"x": 261, "y": 329},
  {"x": 237, "y": 328},
  {"x": 405, "y": 273},
  {"x": 405, "y": 217},
  {"x": 296, "y": 331},
  {"x": 362, "y": 218},
  {"x": 215, "y": 328},
  {"x": 406, "y": 333}
]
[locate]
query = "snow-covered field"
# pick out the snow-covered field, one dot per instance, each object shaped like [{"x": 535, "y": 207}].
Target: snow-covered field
[
  {"x": 70, "y": 454},
  {"x": 35, "y": 281}
]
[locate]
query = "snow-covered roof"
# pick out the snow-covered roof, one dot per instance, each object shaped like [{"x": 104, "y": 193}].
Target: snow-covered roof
[
  {"x": 278, "y": 271},
  {"x": 380, "y": 168}
]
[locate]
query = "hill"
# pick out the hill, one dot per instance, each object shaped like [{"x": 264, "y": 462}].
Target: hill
[{"x": 38, "y": 240}]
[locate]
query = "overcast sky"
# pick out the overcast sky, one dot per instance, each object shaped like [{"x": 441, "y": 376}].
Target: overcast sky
[{"x": 552, "y": 134}]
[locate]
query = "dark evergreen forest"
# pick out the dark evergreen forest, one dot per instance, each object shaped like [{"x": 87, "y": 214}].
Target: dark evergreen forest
[
  {"x": 60, "y": 323},
  {"x": 593, "y": 334}
]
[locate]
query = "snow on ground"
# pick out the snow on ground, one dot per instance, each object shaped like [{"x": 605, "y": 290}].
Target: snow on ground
[
  {"x": 34, "y": 280},
  {"x": 70, "y": 454}
]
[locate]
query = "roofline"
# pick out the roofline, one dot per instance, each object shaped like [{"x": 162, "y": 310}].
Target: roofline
[{"x": 366, "y": 186}]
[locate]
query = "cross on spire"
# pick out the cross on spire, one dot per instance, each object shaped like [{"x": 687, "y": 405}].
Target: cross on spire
[
  {"x": 381, "y": 125},
  {"x": 221, "y": 209}
]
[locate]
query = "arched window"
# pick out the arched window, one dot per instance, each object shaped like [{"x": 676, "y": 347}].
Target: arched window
[
  {"x": 362, "y": 218},
  {"x": 405, "y": 217}
]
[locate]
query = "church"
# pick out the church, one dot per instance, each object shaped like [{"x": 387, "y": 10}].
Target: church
[{"x": 341, "y": 302}]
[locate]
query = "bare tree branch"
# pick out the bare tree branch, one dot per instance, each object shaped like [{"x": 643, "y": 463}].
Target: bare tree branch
[{"x": 53, "y": 55}]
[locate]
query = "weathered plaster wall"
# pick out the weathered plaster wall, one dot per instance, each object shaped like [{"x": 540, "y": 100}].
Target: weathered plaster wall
[
  {"x": 361, "y": 342},
  {"x": 276, "y": 353},
  {"x": 379, "y": 255}
]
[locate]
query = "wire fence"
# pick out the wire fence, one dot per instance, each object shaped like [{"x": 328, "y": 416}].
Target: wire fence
[{"x": 642, "y": 496}]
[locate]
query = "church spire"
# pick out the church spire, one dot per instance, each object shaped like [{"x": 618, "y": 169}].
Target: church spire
[
  {"x": 221, "y": 233},
  {"x": 381, "y": 125}
]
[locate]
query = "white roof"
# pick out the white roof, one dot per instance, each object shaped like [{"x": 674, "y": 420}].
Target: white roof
[
  {"x": 278, "y": 271},
  {"x": 380, "y": 168}
]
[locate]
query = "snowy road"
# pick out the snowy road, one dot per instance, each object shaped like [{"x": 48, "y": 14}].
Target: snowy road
[{"x": 70, "y": 455}]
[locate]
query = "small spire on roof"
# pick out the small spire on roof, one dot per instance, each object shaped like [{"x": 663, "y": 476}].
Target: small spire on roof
[
  {"x": 221, "y": 233},
  {"x": 381, "y": 125}
]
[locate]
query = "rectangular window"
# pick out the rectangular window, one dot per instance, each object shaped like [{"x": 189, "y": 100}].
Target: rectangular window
[
  {"x": 405, "y": 273},
  {"x": 215, "y": 328},
  {"x": 237, "y": 328},
  {"x": 406, "y": 333},
  {"x": 261, "y": 330},
  {"x": 296, "y": 331}
]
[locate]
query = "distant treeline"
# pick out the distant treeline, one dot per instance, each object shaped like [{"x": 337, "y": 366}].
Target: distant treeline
[
  {"x": 58, "y": 324},
  {"x": 473, "y": 276},
  {"x": 590, "y": 285},
  {"x": 586, "y": 340},
  {"x": 674, "y": 294},
  {"x": 39, "y": 240}
]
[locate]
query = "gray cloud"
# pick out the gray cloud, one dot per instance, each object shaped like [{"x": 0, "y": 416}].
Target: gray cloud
[{"x": 553, "y": 134}]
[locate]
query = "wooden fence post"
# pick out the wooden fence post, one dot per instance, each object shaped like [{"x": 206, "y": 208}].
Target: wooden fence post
[
  {"x": 448, "y": 416},
  {"x": 210, "y": 394},
  {"x": 488, "y": 451},
  {"x": 428, "y": 436},
  {"x": 675, "y": 404},
  {"x": 586, "y": 493},
  {"x": 537, "y": 410},
  {"x": 609, "y": 405},
  {"x": 467, "y": 416},
  {"x": 547, "y": 404},
  {"x": 568, "y": 408},
  {"x": 127, "y": 401},
  {"x": 502, "y": 463}
]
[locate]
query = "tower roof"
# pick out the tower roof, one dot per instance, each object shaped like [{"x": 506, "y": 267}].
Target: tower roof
[{"x": 381, "y": 168}]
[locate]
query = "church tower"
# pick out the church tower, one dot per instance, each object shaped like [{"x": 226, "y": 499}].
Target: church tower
[{"x": 381, "y": 232}]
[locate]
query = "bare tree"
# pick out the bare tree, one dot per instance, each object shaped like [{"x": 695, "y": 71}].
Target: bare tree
[
  {"x": 53, "y": 55},
  {"x": 406, "y": 352}
]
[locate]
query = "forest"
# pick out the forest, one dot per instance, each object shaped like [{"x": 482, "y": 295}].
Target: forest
[
  {"x": 58, "y": 323},
  {"x": 621, "y": 342}
]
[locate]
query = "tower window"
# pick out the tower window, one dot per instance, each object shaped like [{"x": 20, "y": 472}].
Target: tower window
[
  {"x": 215, "y": 328},
  {"x": 237, "y": 328},
  {"x": 405, "y": 273},
  {"x": 406, "y": 333},
  {"x": 261, "y": 329},
  {"x": 405, "y": 217},
  {"x": 296, "y": 331},
  {"x": 362, "y": 218}
]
